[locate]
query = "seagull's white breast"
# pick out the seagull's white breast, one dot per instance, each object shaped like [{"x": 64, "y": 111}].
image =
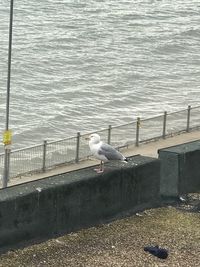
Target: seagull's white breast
[{"x": 94, "y": 149}]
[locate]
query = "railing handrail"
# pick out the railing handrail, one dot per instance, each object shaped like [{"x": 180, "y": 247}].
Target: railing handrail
[{"x": 97, "y": 131}]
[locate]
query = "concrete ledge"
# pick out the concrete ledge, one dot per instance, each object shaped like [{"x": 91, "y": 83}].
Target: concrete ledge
[
  {"x": 78, "y": 199},
  {"x": 180, "y": 172}
]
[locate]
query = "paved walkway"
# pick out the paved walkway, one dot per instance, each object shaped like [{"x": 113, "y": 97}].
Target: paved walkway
[{"x": 149, "y": 149}]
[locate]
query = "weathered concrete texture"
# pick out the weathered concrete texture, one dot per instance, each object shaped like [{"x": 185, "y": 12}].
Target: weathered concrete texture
[
  {"x": 78, "y": 199},
  {"x": 180, "y": 172},
  {"x": 122, "y": 242}
]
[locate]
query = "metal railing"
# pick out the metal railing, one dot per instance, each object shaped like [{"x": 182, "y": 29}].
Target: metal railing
[{"x": 74, "y": 149}]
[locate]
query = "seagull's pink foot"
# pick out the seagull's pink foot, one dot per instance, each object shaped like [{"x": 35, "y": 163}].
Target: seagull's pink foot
[{"x": 98, "y": 170}]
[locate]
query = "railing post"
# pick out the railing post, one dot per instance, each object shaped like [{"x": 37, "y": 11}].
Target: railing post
[
  {"x": 109, "y": 133},
  {"x": 77, "y": 147},
  {"x": 188, "y": 119},
  {"x": 44, "y": 156},
  {"x": 164, "y": 124},
  {"x": 137, "y": 132}
]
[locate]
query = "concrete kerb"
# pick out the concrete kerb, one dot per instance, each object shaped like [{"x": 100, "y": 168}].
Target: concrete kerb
[
  {"x": 78, "y": 199},
  {"x": 68, "y": 201},
  {"x": 180, "y": 172}
]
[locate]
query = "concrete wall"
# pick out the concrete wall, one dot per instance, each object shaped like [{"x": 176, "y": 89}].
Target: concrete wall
[
  {"x": 78, "y": 199},
  {"x": 180, "y": 172}
]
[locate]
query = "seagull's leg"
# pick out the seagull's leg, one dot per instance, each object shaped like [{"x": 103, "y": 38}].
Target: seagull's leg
[{"x": 101, "y": 168}]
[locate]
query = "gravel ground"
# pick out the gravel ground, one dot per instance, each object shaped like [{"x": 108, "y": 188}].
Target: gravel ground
[{"x": 121, "y": 243}]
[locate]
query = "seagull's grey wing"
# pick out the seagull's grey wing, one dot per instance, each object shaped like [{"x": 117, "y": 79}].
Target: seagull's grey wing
[{"x": 110, "y": 153}]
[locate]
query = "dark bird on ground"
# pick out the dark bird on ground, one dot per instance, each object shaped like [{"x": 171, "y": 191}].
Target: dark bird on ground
[{"x": 161, "y": 253}]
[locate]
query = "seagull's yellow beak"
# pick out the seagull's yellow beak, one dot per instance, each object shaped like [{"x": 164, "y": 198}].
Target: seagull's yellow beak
[{"x": 87, "y": 138}]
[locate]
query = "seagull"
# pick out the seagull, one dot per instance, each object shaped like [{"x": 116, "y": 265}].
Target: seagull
[{"x": 102, "y": 151}]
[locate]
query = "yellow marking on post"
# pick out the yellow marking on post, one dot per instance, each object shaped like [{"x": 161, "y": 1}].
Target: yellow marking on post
[{"x": 7, "y": 137}]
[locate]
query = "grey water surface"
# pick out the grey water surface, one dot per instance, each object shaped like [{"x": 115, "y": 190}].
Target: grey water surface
[{"x": 81, "y": 65}]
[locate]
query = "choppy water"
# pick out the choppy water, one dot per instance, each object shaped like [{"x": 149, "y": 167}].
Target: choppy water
[{"x": 81, "y": 65}]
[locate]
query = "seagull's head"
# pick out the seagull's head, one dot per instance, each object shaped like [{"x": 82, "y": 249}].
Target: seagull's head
[{"x": 94, "y": 138}]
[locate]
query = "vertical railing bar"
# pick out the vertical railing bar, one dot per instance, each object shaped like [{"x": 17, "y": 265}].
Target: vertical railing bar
[
  {"x": 44, "y": 156},
  {"x": 164, "y": 124},
  {"x": 1, "y": 174},
  {"x": 109, "y": 134},
  {"x": 77, "y": 147},
  {"x": 9, "y": 155},
  {"x": 188, "y": 119},
  {"x": 137, "y": 131}
]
